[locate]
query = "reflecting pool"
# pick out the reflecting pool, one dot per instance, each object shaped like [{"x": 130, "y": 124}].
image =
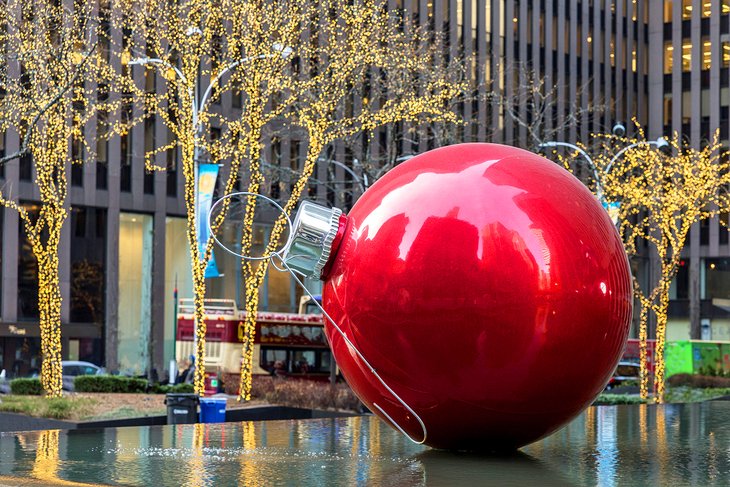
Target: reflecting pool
[{"x": 605, "y": 446}]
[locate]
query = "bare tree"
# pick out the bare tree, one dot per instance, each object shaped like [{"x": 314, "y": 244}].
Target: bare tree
[{"x": 534, "y": 106}]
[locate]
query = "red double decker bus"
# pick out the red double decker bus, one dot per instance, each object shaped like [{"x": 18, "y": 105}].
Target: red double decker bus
[{"x": 286, "y": 344}]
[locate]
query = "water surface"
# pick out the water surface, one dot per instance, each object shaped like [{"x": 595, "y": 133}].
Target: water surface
[{"x": 605, "y": 446}]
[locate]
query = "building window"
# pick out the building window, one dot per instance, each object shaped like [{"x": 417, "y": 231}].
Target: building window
[
  {"x": 77, "y": 160},
  {"x": 149, "y": 147},
  {"x": 717, "y": 278},
  {"x": 88, "y": 258},
  {"x": 102, "y": 151},
  {"x": 686, "y": 9},
  {"x": 686, "y": 56},
  {"x": 2, "y": 154},
  {"x": 25, "y": 167},
  {"x": 668, "y": 57},
  {"x": 680, "y": 284},
  {"x": 27, "y": 271},
  {"x": 171, "y": 174},
  {"x": 705, "y": 53},
  {"x": 125, "y": 144}
]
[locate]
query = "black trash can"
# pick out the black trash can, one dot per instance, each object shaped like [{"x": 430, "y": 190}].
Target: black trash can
[{"x": 182, "y": 408}]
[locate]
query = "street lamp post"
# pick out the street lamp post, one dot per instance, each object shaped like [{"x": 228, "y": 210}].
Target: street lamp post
[
  {"x": 362, "y": 181},
  {"x": 659, "y": 143}
]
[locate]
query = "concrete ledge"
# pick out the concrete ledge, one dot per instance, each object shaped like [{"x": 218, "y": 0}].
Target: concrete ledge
[{"x": 19, "y": 422}]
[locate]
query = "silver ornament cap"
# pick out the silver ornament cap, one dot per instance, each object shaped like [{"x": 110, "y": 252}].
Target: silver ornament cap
[{"x": 313, "y": 231}]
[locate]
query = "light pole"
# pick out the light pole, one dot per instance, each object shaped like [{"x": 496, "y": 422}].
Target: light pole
[
  {"x": 362, "y": 181},
  {"x": 659, "y": 143}
]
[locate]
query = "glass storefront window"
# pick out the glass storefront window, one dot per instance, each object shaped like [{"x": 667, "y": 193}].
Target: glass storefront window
[
  {"x": 135, "y": 287},
  {"x": 20, "y": 357}
]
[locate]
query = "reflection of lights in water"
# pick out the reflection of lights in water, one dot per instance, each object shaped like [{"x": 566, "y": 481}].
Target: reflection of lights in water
[
  {"x": 590, "y": 425},
  {"x": 661, "y": 442},
  {"x": 712, "y": 470},
  {"x": 196, "y": 475},
  {"x": 355, "y": 428},
  {"x": 249, "y": 474},
  {"x": 643, "y": 427},
  {"x": 607, "y": 451},
  {"x": 46, "y": 456},
  {"x": 374, "y": 446}
]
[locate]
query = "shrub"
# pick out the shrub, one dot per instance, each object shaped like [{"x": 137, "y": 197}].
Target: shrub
[
  {"x": 109, "y": 383},
  {"x": 698, "y": 381},
  {"x": 304, "y": 394},
  {"x": 182, "y": 388},
  {"x": 614, "y": 399},
  {"x": 177, "y": 388},
  {"x": 26, "y": 387}
]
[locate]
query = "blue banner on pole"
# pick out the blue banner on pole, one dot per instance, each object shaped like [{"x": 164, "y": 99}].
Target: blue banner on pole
[
  {"x": 207, "y": 175},
  {"x": 613, "y": 209}
]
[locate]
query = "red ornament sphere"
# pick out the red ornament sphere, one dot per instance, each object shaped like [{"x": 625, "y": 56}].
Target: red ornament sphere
[{"x": 487, "y": 287}]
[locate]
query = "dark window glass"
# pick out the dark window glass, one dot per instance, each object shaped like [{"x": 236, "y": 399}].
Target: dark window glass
[
  {"x": 717, "y": 278},
  {"x": 102, "y": 175},
  {"x": 77, "y": 158},
  {"x": 681, "y": 280},
  {"x": 27, "y": 271},
  {"x": 149, "y": 146},
  {"x": 171, "y": 155},
  {"x": 125, "y": 171},
  {"x": 22, "y": 356},
  {"x": 2, "y": 154},
  {"x": 88, "y": 256},
  {"x": 26, "y": 167}
]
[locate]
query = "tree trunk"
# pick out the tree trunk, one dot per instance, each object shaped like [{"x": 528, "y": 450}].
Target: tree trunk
[
  {"x": 661, "y": 333},
  {"x": 49, "y": 307}
]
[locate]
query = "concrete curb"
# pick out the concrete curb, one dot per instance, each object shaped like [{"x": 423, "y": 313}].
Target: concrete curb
[{"x": 11, "y": 422}]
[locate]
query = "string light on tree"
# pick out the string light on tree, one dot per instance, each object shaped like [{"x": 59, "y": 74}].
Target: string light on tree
[
  {"x": 47, "y": 100},
  {"x": 662, "y": 194},
  {"x": 208, "y": 40}
]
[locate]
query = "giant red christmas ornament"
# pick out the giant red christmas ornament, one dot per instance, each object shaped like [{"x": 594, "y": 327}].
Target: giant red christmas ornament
[{"x": 486, "y": 286}]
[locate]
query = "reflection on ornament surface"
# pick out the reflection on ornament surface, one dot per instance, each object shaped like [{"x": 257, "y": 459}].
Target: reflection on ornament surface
[{"x": 487, "y": 287}]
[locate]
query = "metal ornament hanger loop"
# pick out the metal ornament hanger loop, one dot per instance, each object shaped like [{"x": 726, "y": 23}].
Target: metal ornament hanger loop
[{"x": 283, "y": 266}]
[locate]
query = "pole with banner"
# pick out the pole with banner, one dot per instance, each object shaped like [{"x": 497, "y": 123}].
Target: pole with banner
[{"x": 207, "y": 175}]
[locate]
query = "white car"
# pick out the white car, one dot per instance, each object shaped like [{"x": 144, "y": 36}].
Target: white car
[{"x": 75, "y": 368}]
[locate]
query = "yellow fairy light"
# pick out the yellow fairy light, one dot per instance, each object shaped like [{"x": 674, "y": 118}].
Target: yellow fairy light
[
  {"x": 246, "y": 46},
  {"x": 47, "y": 101},
  {"x": 368, "y": 38},
  {"x": 662, "y": 194}
]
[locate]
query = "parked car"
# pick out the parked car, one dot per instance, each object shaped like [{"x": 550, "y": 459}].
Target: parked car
[
  {"x": 74, "y": 368},
  {"x": 626, "y": 372}
]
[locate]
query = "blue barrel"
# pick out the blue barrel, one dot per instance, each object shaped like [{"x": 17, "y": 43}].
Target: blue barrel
[{"x": 212, "y": 409}]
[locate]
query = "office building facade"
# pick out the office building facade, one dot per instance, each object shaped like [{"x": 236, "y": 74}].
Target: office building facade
[{"x": 664, "y": 63}]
